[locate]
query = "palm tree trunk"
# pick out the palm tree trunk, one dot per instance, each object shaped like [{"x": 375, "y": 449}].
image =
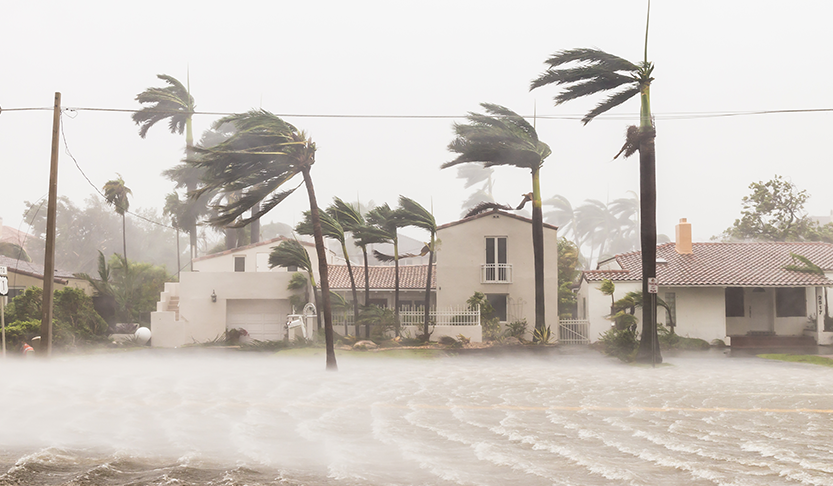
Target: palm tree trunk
[
  {"x": 353, "y": 288},
  {"x": 396, "y": 286},
  {"x": 538, "y": 251},
  {"x": 189, "y": 187},
  {"x": 428, "y": 288},
  {"x": 322, "y": 272},
  {"x": 124, "y": 241},
  {"x": 366, "y": 289},
  {"x": 649, "y": 351},
  {"x": 254, "y": 226}
]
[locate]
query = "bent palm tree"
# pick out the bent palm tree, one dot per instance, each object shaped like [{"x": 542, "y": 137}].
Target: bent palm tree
[
  {"x": 595, "y": 71},
  {"x": 116, "y": 194},
  {"x": 290, "y": 253},
  {"x": 175, "y": 104},
  {"x": 385, "y": 220},
  {"x": 257, "y": 161},
  {"x": 331, "y": 228},
  {"x": 350, "y": 220},
  {"x": 502, "y": 137},
  {"x": 413, "y": 214}
]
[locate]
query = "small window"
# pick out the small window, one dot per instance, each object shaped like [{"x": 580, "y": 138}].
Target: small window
[
  {"x": 240, "y": 263},
  {"x": 498, "y": 302},
  {"x": 734, "y": 302},
  {"x": 790, "y": 302}
]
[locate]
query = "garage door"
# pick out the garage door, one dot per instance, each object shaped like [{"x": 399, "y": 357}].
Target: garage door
[{"x": 262, "y": 319}]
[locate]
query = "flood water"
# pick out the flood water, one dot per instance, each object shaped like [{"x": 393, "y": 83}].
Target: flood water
[{"x": 193, "y": 417}]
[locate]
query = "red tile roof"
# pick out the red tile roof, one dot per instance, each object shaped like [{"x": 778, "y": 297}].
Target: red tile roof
[
  {"x": 382, "y": 277},
  {"x": 726, "y": 264}
]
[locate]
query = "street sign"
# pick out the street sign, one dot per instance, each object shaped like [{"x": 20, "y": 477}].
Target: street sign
[
  {"x": 652, "y": 285},
  {"x": 2, "y": 270},
  {"x": 4, "y": 285}
]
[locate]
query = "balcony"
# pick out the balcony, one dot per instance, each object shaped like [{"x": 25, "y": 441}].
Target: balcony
[{"x": 496, "y": 273}]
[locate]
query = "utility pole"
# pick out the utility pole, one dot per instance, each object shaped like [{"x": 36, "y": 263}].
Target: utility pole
[{"x": 45, "y": 347}]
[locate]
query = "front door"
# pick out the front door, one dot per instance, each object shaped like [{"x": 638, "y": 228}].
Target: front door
[{"x": 760, "y": 310}]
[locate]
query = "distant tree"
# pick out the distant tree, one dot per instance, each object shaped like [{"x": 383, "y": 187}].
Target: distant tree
[
  {"x": 116, "y": 194},
  {"x": 568, "y": 272},
  {"x": 774, "y": 211}
]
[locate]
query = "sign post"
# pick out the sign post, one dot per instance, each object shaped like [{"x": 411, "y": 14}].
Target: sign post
[{"x": 4, "y": 291}]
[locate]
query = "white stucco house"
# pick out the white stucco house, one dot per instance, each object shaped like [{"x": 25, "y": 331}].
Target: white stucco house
[
  {"x": 734, "y": 292},
  {"x": 490, "y": 252}
]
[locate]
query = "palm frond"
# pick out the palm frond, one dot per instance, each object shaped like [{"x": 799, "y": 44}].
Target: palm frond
[
  {"x": 346, "y": 214},
  {"x": 486, "y": 206},
  {"x": 330, "y": 227},
  {"x": 592, "y": 56},
  {"x": 611, "y": 102},
  {"x": 290, "y": 253},
  {"x": 806, "y": 265},
  {"x": 411, "y": 213},
  {"x": 172, "y": 102}
]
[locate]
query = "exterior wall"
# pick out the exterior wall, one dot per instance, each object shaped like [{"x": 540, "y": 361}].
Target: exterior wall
[
  {"x": 257, "y": 258},
  {"x": 463, "y": 252},
  {"x": 700, "y": 312},
  {"x": 19, "y": 281},
  {"x": 200, "y": 319},
  {"x": 594, "y": 306}
]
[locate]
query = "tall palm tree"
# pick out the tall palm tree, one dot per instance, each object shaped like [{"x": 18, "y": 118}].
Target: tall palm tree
[
  {"x": 350, "y": 219},
  {"x": 331, "y": 228},
  {"x": 263, "y": 155},
  {"x": 411, "y": 213},
  {"x": 385, "y": 220},
  {"x": 175, "y": 104},
  {"x": 502, "y": 137},
  {"x": 594, "y": 71},
  {"x": 116, "y": 194}
]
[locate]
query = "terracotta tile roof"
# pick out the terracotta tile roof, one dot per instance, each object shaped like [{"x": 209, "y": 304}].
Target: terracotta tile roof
[
  {"x": 489, "y": 213},
  {"x": 726, "y": 264},
  {"x": 31, "y": 269},
  {"x": 382, "y": 277}
]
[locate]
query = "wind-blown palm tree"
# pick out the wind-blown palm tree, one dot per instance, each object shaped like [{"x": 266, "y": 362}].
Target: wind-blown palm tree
[
  {"x": 350, "y": 219},
  {"x": 175, "y": 104},
  {"x": 594, "y": 71},
  {"x": 564, "y": 216},
  {"x": 291, "y": 253},
  {"x": 385, "y": 220},
  {"x": 263, "y": 155},
  {"x": 331, "y": 228},
  {"x": 502, "y": 137},
  {"x": 411, "y": 213},
  {"x": 116, "y": 194}
]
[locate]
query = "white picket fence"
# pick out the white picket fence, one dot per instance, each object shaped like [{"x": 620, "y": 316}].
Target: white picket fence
[{"x": 415, "y": 316}]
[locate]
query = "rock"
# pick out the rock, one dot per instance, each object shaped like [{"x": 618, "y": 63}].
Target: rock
[{"x": 365, "y": 345}]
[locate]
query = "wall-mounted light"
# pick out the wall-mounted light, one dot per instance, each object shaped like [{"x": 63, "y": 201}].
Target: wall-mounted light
[{"x": 213, "y": 296}]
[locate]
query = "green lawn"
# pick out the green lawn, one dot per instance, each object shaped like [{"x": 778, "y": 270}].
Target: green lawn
[{"x": 800, "y": 358}]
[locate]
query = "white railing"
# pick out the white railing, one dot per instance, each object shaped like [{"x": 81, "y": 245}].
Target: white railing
[
  {"x": 414, "y": 316},
  {"x": 573, "y": 331},
  {"x": 496, "y": 273}
]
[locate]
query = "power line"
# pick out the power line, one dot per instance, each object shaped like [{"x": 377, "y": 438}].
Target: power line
[{"x": 659, "y": 116}]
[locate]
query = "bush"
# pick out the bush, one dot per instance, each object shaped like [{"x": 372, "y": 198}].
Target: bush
[
  {"x": 669, "y": 340},
  {"x": 620, "y": 343},
  {"x": 516, "y": 329},
  {"x": 20, "y": 331}
]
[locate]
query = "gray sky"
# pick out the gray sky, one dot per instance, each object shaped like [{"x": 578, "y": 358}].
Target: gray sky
[{"x": 425, "y": 58}]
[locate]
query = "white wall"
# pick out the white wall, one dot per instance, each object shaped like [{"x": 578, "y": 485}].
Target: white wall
[
  {"x": 463, "y": 251},
  {"x": 701, "y": 312},
  {"x": 598, "y": 305}
]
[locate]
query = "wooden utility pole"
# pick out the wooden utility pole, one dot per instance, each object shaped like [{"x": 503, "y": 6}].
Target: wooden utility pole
[{"x": 45, "y": 347}]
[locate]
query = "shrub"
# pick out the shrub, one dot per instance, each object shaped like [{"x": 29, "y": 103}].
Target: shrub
[
  {"x": 542, "y": 335},
  {"x": 516, "y": 329},
  {"x": 670, "y": 340},
  {"x": 621, "y": 343}
]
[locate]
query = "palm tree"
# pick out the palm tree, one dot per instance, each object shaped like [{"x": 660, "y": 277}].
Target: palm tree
[
  {"x": 385, "y": 220},
  {"x": 502, "y": 137},
  {"x": 175, "y": 104},
  {"x": 331, "y": 228},
  {"x": 350, "y": 219},
  {"x": 290, "y": 253},
  {"x": 262, "y": 156},
  {"x": 564, "y": 216},
  {"x": 116, "y": 194},
  {"x": 595, "y": 71},
  {"x": 363, "y": 236},
  {"x": 411, "y": 213}
]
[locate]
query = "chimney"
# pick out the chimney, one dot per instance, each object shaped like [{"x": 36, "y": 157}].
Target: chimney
[{"x": 683, "y": 242}]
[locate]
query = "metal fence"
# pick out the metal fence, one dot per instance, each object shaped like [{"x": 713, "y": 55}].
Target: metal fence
[{"x": 573, "y": 331}]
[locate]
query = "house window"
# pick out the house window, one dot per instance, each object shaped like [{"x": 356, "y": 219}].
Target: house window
[
  {"x": 240, "y": 263},
  {"x": 790, "y": 302},
  {"x": 496, "y": 269},
  {"x": 499, "y": 304},
  {"x": 734, "y": 302},
  {"x": 670, "y": 298}
]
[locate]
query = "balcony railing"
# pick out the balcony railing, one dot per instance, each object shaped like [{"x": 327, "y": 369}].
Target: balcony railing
[{"x": 496, "y": 273}]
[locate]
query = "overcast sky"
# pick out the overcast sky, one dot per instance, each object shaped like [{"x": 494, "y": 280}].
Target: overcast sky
[{"x": 426, "y": 58}]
